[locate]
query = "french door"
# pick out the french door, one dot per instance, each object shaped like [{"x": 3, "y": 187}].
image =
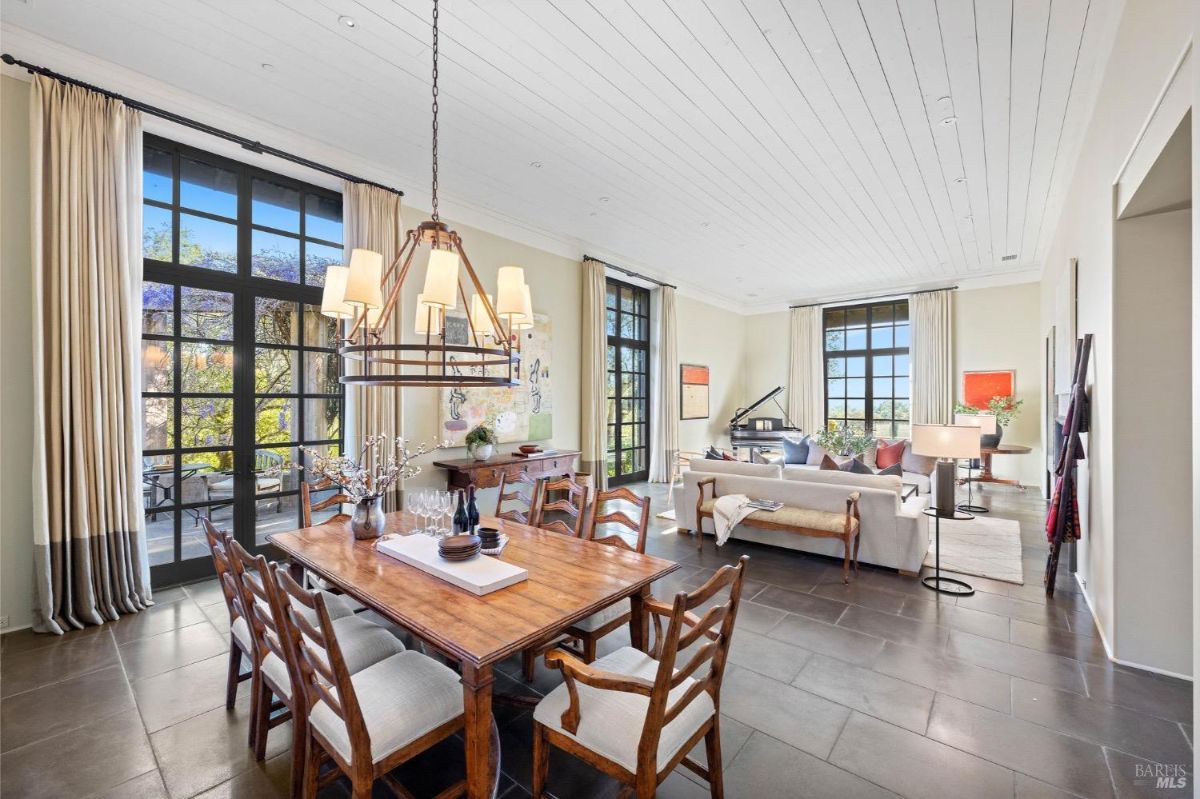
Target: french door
[
  {"x": 628, "y": 362},
  {"x": 239, "y": 368}
]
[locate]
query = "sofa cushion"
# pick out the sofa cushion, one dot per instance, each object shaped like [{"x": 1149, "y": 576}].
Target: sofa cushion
[
  {"x": 802, "y": 474},
  {"x": 912, "y": 462},
  {"x": 796, "y": 451},
  {"x": 735, "y": 467},
  {"x": 888, "y": 454}
]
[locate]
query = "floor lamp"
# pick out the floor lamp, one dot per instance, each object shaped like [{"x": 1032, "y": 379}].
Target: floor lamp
[
  {"x": 986, "y": 422},
  {"x": 947, "y": 443}
]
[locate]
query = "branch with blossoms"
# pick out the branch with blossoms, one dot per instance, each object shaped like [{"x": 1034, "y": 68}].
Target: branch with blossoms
[{"x": 391, "y": 462}]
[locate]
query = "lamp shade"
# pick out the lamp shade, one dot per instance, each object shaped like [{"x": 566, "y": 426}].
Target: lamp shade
[
  {"x": 364, "y": 284},
  {"x": 524, "y": 320},
  {"x": 441, "y": 279},
  {"x": 986, "y": 422},
  {"x": 429, "y": 318},
  {"x": 481, "y": 322},
  {"x": 945, "y": 441},
  {"x": 333, "y": 298},
  {"x": 509, "y": 299}
]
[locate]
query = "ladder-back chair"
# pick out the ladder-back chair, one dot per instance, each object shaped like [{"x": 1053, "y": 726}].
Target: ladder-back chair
[
  {"x": 521, "y": 489},
  {"x": 307, "y": 506},
  {"x": 573, "y": 505},
  {"x": 638, "y": 709},
  {"x": 240, "y": 644}
]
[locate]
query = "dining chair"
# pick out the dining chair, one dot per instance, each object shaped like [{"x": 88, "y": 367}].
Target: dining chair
[
  {"x": 240, "y": 645},
  {"x": 364, "y": 643},
  {"x": 366, "y": 723},
  {"x": 521, "y": 489},
  {"x": 590, "y": 630},
  {"x": 307, "y": 506},
  {"x": 635, "y": 716},
  {"x": 573, "y": 504}
]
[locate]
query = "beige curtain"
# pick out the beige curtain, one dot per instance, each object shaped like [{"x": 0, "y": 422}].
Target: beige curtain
[
  {"x": 664, "y": 387},
  {"x": 90, "y": 560},
  {"x": 806, "y": 378},
  {"x": 371, "y": 220},
  {"x": 932, "y": 350},
  {"x": 593, "y": 393}
]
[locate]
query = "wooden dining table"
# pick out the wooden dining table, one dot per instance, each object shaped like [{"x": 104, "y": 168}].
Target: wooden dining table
[{"x": 569, "y": 579}]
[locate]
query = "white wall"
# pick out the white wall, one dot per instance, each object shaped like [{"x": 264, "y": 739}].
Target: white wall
[
  {"x": 16, "y": 359},
  {"x": 997, "y": 328},
  {"x": 1148, "y": 43},
  {"x": 715, "y": 338},
  {"x": 1152, "y": 349}
]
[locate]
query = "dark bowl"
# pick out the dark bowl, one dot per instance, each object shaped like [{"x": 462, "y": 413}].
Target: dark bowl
[{"x": 529, "y": 449}]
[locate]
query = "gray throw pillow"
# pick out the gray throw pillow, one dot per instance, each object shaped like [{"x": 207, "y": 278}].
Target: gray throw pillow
[
  {"x": 920, "y": 464},
  {"x": 796, "y": 451},
  {"x": 894, "y": 470}
]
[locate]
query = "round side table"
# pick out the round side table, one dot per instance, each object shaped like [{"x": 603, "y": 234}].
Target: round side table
[{"x": 936, "y": 582}]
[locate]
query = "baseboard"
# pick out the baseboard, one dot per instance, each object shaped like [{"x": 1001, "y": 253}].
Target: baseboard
[
  {"x": 8, "y": 630},
  {"x": 1108, "y": 647}
]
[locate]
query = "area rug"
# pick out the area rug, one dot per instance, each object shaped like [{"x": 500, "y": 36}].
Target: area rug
[{"x": 983, "y": 547}]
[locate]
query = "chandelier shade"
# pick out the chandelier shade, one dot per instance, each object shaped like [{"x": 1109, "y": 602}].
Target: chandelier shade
[
  {"x": 333, "y": 300},
  {"x": 363, "y": 283},
  {"x": 441, "y": 279}
]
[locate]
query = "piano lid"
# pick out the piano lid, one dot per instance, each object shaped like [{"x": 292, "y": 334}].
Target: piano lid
[{"x": 743, "y": 412}]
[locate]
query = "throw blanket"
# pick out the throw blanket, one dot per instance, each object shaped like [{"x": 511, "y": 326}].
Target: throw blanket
[{"x": 727, "y": 512}]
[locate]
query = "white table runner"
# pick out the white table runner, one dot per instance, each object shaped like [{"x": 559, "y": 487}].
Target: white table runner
[{"x": 479, "y": 575}]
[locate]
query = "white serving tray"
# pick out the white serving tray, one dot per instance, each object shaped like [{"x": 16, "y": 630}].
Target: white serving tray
[{"x": 479, "y": 575}]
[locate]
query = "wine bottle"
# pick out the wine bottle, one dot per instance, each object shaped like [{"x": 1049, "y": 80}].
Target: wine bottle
[
  {"x": 461, "y": 523},
  {"x": 472, "y": 510}
]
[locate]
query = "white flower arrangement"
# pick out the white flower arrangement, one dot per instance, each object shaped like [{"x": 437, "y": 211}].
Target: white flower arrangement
[{"x": 358, "y": 482}]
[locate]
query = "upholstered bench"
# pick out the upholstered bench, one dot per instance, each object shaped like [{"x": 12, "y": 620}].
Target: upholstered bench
[{"x": 801, "y": 521}]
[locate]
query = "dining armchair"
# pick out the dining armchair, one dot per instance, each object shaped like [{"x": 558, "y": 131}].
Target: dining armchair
[
  {"x": 240, "y": 645},
  {"x": 364, "y": 643},
  {"x": 589, "y": 631},
  {"x": 635, "y": 716},
  {"x": 573, "y": 505},
  {"x": 369, "y": 722},
  {"x": 268, "y": 479},
  {"x": 522, "y": 489},
  {"x": 307, "y": 506}
]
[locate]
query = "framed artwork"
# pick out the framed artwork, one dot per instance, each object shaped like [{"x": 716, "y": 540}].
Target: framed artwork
[
  {"x": 979, "y": 387},
  {"x": 693, "y": 391}
]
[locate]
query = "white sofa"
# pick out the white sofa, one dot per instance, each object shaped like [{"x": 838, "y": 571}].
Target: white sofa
[{"x": 893, "y": 533}]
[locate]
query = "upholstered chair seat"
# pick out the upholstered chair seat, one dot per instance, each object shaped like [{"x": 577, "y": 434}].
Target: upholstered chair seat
[
  {"x": 363, "y": 643},
  {"x": 603, "y": 617},
  {"x": 338, "y": 607}
]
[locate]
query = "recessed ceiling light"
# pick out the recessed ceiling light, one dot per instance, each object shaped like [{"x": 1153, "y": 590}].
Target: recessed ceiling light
[
  {"x": 348, "y": 22},
  {"x": 603, "y": 199},
  {"x": 950, "y": 120},
  {"x": 268, "y": 67},
  {"x": 703, "y": 224},
  {"x": 960, "y": 180},
  {"x": 536, "y": 164},
  {"x": 593, "y": 213}
]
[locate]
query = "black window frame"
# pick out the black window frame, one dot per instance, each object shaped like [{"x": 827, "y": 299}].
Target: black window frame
[
  {"x": 874, "y": 317},
  {"x": 245, "y": 288},
  {"x": 614, "y": 402}
]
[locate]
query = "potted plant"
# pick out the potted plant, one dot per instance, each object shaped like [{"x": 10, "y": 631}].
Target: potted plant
[
  {"x": 1005, "y": 409},
  {"x": 844, "y": 441},
  {"x": 481, "y": 442}
]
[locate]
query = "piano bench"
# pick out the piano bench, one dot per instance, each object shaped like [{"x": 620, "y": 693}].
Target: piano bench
[{"x": 800, "y": 521}]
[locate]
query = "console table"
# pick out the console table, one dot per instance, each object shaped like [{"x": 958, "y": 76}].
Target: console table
[
  {"x": 985, "y": 457},
  {"x": 462, "y": 472}
]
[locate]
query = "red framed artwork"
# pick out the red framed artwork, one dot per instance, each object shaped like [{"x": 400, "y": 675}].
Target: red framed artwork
[{"x": 979, "y": 387}]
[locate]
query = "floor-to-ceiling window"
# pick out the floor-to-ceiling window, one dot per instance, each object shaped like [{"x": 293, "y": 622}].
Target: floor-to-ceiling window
[
  {"x": 239, "y": 369},
  {"x": 628, "y": 327},
  {"x": 867, "y": 369}
]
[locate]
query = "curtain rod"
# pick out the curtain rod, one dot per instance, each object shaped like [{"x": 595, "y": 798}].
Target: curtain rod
[
  {"x": 631, "y": 273},
  {"x": 852, "y": 301},
  {"x": 248, "y": 144}
]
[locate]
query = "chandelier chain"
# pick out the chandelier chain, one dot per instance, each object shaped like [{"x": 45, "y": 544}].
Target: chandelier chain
[{"x": 435, "y": 111}]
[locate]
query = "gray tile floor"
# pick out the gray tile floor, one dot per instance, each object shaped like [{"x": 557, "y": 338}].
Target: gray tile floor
[{"x": 879, "y": 689}]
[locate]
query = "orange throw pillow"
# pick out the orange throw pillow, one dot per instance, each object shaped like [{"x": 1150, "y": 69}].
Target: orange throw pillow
[{"x": 888, "y": 454}]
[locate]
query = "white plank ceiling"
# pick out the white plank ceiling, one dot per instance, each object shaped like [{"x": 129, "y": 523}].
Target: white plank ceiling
[{"x": 761, "y": 151}]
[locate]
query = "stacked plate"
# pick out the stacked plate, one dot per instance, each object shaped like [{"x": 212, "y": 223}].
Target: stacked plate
[{"x": 459, "y": 547}]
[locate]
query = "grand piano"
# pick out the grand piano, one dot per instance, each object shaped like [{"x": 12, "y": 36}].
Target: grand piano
[{"x": 760, "y": 432}]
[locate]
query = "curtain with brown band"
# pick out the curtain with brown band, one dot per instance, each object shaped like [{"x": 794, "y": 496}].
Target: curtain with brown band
[
  {"x": 371, "y": 221},
  {"x": 90, "y": 560},
  {"x": 593, "y": 393}
]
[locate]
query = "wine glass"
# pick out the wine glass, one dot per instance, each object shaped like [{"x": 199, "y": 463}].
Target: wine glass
[{"x": 445, "y": 503}]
